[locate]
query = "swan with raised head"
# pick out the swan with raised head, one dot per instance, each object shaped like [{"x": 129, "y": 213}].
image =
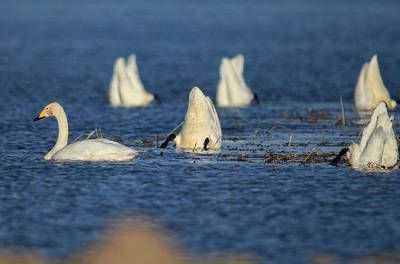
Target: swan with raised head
[
  {"x": 126, "y": 88},
  {"x": 91, "y": 149},
  {"x": 370, "y": 89},
  {"x": 232, "y": 90},
  {"x": 201, "y": 130},
  {"x": 378, "y": 145}
]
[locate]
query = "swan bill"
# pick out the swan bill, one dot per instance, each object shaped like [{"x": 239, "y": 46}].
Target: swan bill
[{"x": 41, "y": 115}]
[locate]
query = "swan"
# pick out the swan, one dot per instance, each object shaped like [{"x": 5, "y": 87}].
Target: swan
[
  {"x": 370, "y": 89},
  {"x": 91, "y": 149},
  {"x": 378, "y": 145},
  {"x": 201, "y": 129},
  {"x": 126, "y": 88},
  {"x": 232, "y": 90}
]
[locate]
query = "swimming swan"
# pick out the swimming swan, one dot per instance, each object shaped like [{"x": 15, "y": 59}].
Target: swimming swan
[
  {"x": 232, "y": 90},
  {"x": 378, "y": 145},
  {"x": 126, "y": 88},
  {"x": 370, "y": 90},
  {"x": 201, "y": 130},
  {"x": 91, "y": 149}
]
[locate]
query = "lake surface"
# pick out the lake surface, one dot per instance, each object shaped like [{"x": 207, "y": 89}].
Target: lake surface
[{"x": 300, "y": 58}]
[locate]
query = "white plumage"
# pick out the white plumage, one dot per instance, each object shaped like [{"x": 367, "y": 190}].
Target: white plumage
[
  {"x": 370, "y": 89},
  {"x": 378, "y": 145},
  {"x": 201, "y": 130},
  {"x": 232, "y": 90},
  {"x": 126, "y": 88},
  {"x": 90, "y": 150}
]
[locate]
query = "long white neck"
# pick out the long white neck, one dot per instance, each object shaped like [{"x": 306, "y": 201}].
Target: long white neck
[{"x": 62, "y": 139}]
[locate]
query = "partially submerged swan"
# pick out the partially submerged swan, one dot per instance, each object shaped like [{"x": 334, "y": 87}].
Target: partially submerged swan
[
  {"x": 91, "y": 149},
  {"x": 201, "y": 130},
  {"x": 370, "y": 89},
  {"x": 126, "y": 88},
  {"x": 232, "y": 90},
  {"x": 378, "y": 145}
]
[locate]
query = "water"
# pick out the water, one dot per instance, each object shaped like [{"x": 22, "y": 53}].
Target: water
[{"x": 298, "y": 56}]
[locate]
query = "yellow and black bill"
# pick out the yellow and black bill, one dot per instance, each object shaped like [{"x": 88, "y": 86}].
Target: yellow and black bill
[{"x": 41, "y": 115}]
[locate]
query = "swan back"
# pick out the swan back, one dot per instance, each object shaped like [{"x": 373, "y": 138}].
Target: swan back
[
  {"x": 95, "y": 150},
  {"x": 232, "y": 90},
  {"x": 201, "y": 122}
]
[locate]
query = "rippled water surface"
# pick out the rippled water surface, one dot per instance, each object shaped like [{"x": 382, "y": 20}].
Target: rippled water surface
[{"x": 301, "y": 56}]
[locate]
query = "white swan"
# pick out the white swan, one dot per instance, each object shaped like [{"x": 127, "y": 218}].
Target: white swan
[
  {"x": 92, "y": 149},
  {"x": 201, "y": 130},
  {"x": 378, "y": 145},
  {"x": 370, "y": 89},
  {"x": 232, "y": 90},
  {"x": 126, "y": 88}
]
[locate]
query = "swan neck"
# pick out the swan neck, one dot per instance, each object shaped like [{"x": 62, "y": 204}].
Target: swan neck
[{"x": 62, "y": 139}]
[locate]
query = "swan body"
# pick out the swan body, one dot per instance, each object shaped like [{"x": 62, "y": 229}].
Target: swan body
[
  {"x": 201, "y": 129},
  {"x": 126, "y": 88},
  {"x": 232, "y": 90},
  {"x": 378, "y": 145},
  {"x": 91, "y": 149},
  {"x": 370, "y": 89}
]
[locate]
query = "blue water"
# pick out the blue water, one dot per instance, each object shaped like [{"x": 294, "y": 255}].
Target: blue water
[{"x": 300, "y": 55}]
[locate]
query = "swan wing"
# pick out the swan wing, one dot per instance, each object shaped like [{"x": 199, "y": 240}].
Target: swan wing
[
  {"x": 238, "y": 63},
  {"x": 390, "y": 149},
  {"x": 133, "y": 74},
  {"x": 222, "y": 89},
  {"x": 125, "y": 86},
  {"x": 372, "y": 124},
  {"x": 375, "y": 83},
  {"x": 136, "y": 95},
  {"x": 215, "y": 126},
  {"x": 238, "y": 92},
  {"x": 371, "y": 156},
  {"x": 363, "y": 97},
  {"x": 114, "y": 94}
]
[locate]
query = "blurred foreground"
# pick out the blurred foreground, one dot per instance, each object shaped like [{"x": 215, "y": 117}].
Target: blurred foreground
[{"x": 140, "y": 241}]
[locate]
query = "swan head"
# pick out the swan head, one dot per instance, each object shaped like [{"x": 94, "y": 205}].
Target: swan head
[{"x": 48, "y": 111}]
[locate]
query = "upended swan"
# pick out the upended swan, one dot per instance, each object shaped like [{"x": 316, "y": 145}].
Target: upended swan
[
  {"x": 232, "y": 90},
  {"x": 126, "y": 88},
  {"x": 370, "y": 89},
  {"x": 378, "y": 145},
  {"x": 91, "y": 149},
  {"x": 201, "y": 130}
]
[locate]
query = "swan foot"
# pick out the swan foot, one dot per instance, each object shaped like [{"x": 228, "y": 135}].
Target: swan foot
[
  {"x": 157, "y": 99},
  {"x": 169, "y": 138},
  {"x": 336, "y": 160},
  {"x": 205, "y": 144},
  {"x": 255, "y": 100}
]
